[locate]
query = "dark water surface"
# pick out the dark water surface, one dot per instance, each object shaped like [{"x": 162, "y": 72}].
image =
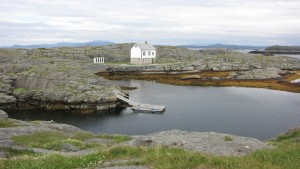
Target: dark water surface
[{"x": 250, "y": 112}]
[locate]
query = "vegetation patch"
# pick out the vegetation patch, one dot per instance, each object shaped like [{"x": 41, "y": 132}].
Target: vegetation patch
[
  {"x": 116, "y": 138},
  {"x": 54, "y": 140},
  {"x": 45, "y": 140},
  {"x": 53, "y": 161},
  {"x": 16, "y": 153},
  {"x": 206, "y": 79},
  {"x": 19, "y": 90},
  {"x": 83, "y": 136},
  {"x": 284, "y": 155},
  {"x": 227, "y": 138},
  {"x": 292, "y": 135},
  {"x": 7, "y": 123}
]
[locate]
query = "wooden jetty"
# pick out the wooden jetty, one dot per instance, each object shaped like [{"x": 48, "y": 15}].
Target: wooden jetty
[{"x": 138, "y": 106}]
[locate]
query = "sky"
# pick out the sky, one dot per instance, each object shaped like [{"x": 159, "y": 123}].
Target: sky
[{"x": 166, "y": 22}]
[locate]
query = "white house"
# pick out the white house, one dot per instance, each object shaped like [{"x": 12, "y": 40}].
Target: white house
[{"x": 142, "y": 53}]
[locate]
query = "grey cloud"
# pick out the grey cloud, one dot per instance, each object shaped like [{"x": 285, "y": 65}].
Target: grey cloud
[{"x": 160, "y": 21}]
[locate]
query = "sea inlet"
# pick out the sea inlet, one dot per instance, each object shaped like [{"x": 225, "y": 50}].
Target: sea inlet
[{"x": 250, "y": 112}]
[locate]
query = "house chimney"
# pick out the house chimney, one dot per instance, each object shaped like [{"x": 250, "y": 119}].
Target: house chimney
[{"x": 146, "y": 42}]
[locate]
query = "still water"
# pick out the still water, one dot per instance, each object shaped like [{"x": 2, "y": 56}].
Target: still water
[{"x": 259, "y": 113}]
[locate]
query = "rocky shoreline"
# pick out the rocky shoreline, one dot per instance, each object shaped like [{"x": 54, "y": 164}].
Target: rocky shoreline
[
  {"x": 204, "y": 142},
  {"x": 65, "y": 79}
]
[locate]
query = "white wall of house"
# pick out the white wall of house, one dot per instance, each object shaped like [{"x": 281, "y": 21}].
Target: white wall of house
[
  {"x": 148, "y": 53},
  {"x": 135, "y": 52}
]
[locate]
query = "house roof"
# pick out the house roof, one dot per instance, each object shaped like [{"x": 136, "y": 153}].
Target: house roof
[{"x": 145, "y": 46}]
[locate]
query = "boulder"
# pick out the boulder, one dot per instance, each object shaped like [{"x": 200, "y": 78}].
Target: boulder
[
  {"x": 6, "y": 100},
  {"x": 205, "y": 142},
  {"x": 3, "y": 115},
  {"x": 69, "y": 147}
]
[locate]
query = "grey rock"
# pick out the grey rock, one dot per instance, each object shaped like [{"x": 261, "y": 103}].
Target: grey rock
[
  {"x": 267, "y": 73},
  {"x": 6, "y": 143},
  {"x": 3, "y": 154},
  {"x": 206, "y": 142},
  {"x": 64, "y": 84},
  {"x": 59, "y": 126},
  {"x": 6, "y": 99},
  {"x": 98, "y": 140},
  {"x": 6, "y": 84},
  {"x": 295, "y": 81},
  {"x": 3, "y": 115},
  {"x": 43, "y": 151},
  {"x": 69, "y": 147}
]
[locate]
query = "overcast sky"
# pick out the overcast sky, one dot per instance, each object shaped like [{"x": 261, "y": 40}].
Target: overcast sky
[{"x": 173, "y": 22}]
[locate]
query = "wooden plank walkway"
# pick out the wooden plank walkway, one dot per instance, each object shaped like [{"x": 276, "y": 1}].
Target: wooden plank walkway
[{"x": 138, "y": 106}]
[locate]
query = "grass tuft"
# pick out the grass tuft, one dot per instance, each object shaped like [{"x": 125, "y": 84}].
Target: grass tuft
[
  {"x": 7, "y": 123},
  {"x": 53, "y": 161},
  {"x": 227, "y": 138},
  {"x": 83, "y": 136},
  {"x": 46, "y": 140},
  {"x": 19, "y": 90},
  {"x": 116, "y": 138}
]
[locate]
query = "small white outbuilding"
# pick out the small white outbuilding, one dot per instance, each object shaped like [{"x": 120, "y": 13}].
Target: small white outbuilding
[
  {"x": 142, "y": 53},
  {"x": 98, "y": 60}
]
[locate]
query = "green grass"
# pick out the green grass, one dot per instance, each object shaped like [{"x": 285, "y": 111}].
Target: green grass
[
  {"x": 16, "y": 153},
  {"x": 7, "y": 123},
  {"x": 284, "y": 155},
  {"x": 227, "y": 138},
  {"x": 45, "y": 140},
  {"x": 54, "y": 140},
  {"x": 53, "y": 161},
  {"x": 83, "y": 136},
  {"x": 116, "y": 138},
  {"x": 19, "y": 90},
  {"x": 287, "y": 137}
]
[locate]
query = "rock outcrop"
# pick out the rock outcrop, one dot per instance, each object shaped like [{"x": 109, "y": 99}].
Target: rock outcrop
[
  {"x": 205, "y": 142},
  {"x": 268, "y": 73},
  {"x": 28, "y": 83},
  {"x": 3, "y": 115}
]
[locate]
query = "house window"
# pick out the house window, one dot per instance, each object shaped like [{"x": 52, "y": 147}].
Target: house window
[
  {"x": 144, "y": 53},
  {"x": 149, "y": 53},
  {"x": 152, "y": 53}
]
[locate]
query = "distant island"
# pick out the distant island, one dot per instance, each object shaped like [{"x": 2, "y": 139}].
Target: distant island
[
  {"x": 228, "y": 46},
  {"x": 272, "y": 50},
  {"x": 104, "y": 43},
  {"x": 64, "y": 44}
]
